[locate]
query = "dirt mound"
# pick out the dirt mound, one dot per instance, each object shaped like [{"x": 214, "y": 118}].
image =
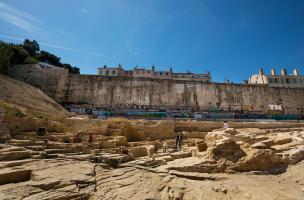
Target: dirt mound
[
  {"x": 26, "y": 107},
  {"x": 27, "y": 98}
]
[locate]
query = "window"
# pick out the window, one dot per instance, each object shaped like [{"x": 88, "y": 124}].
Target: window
[
  {"x": 107, "y": 72},
  {"x": 161, "y": 73},
  {"x": 167, "y": 73},
  {"x": 294, "y": 80},
  {"x": 276, "y": 80},
  {"x": 282, "y": 80},
  {"x": 287, "y": 80},
  {"x": 270, "y": 80},
  {"x": 113, "y": 72}
]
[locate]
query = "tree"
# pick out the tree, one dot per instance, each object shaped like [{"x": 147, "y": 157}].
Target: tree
[
  {"x": 28, "y": 53},
  {"x": 72, "y": 70},
  {"x": 30, "y": 60},
  {"x": 19, "y": 55},
  {"x": 31, "y": 46},
  {"x": 50, "y": 58},
  {"x": 5, "y": 57}
]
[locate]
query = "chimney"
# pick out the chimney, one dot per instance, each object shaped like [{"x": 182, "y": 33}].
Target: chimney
[
  {"x": 284, "y": 72},
  {"x": 261, "y": 71},
  {"x": 295, "y": 72},
  {"x": 153, "y": 67},
  {"x": 104, "y": 66},
  {"x": 273, "y": 73}
]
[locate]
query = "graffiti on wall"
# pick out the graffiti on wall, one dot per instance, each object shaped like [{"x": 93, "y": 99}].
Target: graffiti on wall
[{"x": 275, "y": 107}]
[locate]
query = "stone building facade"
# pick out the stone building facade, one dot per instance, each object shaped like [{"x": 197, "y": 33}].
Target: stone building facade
[
  {"x": 152, "y": 73},
  {"x": 294, "y": 80}
]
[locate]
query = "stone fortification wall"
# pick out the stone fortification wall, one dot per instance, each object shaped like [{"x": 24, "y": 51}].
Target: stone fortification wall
[
  {"x": 50, "y": 80},
  {"x": 134, "y": 93}
]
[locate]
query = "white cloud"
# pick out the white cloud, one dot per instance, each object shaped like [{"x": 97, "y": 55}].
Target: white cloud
[
  {"x": 102, "y": 55},
  {"x": 57, "y": 46},
  {"x": 11, "y": 37},
  {"x": 18, "y": 18},
  {"x": 40, "y": 43},
  {"x": 61, "y": 47},
  {"x": 18, "y": 12}
]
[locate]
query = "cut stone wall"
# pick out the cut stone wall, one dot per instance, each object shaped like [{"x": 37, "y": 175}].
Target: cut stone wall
[
  {"x": 50, "y": 80},
  {"x": 124, "y": 92}
]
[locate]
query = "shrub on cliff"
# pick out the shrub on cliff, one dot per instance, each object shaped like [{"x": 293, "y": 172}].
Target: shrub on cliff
[
  {"x": 72, "y": 70},
  {"x": 19, "y": 55},
  {"x": 28, "y": 53},
  {"x": 12, "y": 54},
  {"x": 5, "y": 58},
  {"x": 50, "y": 58},
  {"x": 32, "y": 47}
]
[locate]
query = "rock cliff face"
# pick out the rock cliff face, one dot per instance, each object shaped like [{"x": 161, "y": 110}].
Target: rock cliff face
[{"x": 119, "y": 92}]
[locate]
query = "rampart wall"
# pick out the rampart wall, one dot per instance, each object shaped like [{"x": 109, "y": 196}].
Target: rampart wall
[{"x": 134, "y": 93}]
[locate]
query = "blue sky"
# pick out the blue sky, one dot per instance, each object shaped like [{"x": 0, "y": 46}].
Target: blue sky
[{"x": 230, "y": 38}]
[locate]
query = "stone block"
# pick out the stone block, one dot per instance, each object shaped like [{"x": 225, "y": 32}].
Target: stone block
[
  {"x": 295, "y": 155},
  {"x": 14, "y": 155},
  {"x": 165, "y": 158},
  {"x": 150, "y": 150},
  {"x": 120, "y": 141},
  {"x": 107, "y": 144},
  {"x": 227, "y": 149},
  {"x": 260, "y": 145},
  {"x": 200, "y": 145},
  {"x": 282, "y": 139},
  {"x": 181, "y": 154},
  {"x": 14, "y": 176},
  {"x": 138, "y": 151}
]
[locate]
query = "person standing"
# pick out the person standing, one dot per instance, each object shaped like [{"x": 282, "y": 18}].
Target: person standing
[
  {"x": 79, "y": 137},
  {"x": 178, "y": 142},
  {"x": 165, "y": 145},
  {"x": 226, "y": 125},
  {"x": 90, "y": 138}
]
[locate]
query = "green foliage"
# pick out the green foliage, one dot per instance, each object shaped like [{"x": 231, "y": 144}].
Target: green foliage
[
  {"x": 50, "y": 58},
  {"x": 19, "y": 114},
  {"x": 32, "y": 47},
  {"x": 19, "y": 55},
  {"x": 5, "y": 58},
  {"x": 30, "y": 60},
  {"x": 28, "y": 53},
  {"x": 72, "y": 70}
]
